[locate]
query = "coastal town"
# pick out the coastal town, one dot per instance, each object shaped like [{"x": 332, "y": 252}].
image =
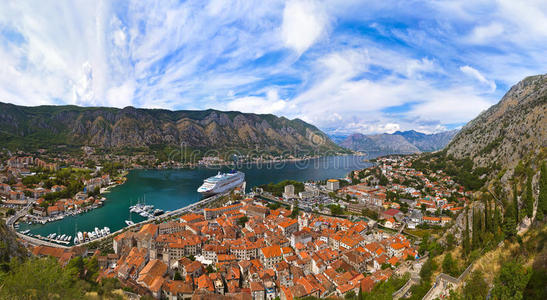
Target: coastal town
[{"x": 336, "y": 237}]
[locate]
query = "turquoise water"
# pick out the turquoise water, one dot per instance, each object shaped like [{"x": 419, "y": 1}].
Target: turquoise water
[{"x": 176, "y": 188}]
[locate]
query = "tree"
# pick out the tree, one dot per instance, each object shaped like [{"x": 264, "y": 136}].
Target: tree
[
  {"x": 39, "y": 278},
  {"x": 511, "y": 281},
  {"x": 177, "y": 276},
  {"x": 350, "y": 295},
  {"x": 475, "y": 237},
  {"x": 497, "y": 220},
  {"x": 76, "y": 267},
  {"x": 210, "y": 269},
  {"x": 450, "y": 240},
  {"x": 427, "y": 270},
  {"x": 295, "y": 210},
  {"x": 487, "y": 215},
  {"x": 385, "y": 289},
  {"x": 92, "y": 268},
  {"x": 241, "y": 221},
  {"x": 336, "y": 209},
  {"x": 475, "y": 287},
  {"x": 465, "y": 243},
  {"x": 516, "y": 202},
  {"x": 542, "y": 198},
  {"x": 529, "y": 198},
  {"x": 509, "y": 221},
  {"x": 449, "y": 265},
  {"x": 423, "y": 208},
  {"x": 107, "y": 285},
  {"x": 273, "y": 205}
]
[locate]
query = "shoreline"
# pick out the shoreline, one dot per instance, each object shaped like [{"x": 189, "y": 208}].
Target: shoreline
[
  {"x": 241, "y": 163},
  {"x": 122, "y": 178}
]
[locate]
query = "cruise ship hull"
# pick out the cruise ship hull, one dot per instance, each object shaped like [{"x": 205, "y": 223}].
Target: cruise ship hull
[{"x": 221, "y": 187}]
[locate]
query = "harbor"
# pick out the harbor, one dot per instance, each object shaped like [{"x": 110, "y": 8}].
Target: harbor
[{"x": 171, "y": 190}]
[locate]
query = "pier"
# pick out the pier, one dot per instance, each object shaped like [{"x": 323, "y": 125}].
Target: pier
[{"x": 166, "y": 215}]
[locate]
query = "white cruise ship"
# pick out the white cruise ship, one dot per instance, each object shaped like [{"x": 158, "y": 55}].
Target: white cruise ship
[{"x": 221, "y": 183}]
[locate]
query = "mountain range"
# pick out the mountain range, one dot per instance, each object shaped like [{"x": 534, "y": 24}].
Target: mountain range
[
  {"x": 43, "y": 126},
  {"x": 508, "y": 133},
  {"x": 399, "y": 142}
]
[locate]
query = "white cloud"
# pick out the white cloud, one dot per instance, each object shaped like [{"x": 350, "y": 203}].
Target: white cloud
[
  {"x": 304, "y": 21},
  {"x": 485, "y": 33},
  {"x": 82, "y": 92},
  {"x": 119, "y": 38},
  {"x": 297, "y": 58},
  {"x": 455, "y": 105},
  {"x": 470, "y": 71},
  {"x": 257, "y": 105},
  {"x": 121, "y": 96}
]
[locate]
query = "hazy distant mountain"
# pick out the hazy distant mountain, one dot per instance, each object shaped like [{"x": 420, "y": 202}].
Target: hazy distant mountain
[
  {"x": 400, "y": 142},
  {"x": 428, "y": 142},
  {"x": 338, "y": 138}
]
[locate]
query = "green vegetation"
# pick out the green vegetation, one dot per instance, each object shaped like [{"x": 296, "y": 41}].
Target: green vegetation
[
  {"x": 295, "y": 210},
  {"x": 177, "y": 276},
  {"x": 210, "y": 269},
  {"x": 487, "y": 229},
  {"x": 419, "y": 290},
  {"x": 542, "y": 198},
  {"x": 57, "y": 122},
  {"x": 336, "y": 209},
  {"x": 450, "y": 266},
  {"x": 111, "y": 168},
  {"x": 241, "y": 221},
  {"x": 385, "y": 289},
  {"x": 273, "y": 206},
  {"x": 461, "y": 170},
  {"x": 430, "y": 245},
  {"x": 277, "y": 189},
  {"x": 511, "y": 281},
  {"x": 491, "y": 146},
  {"x": 369, "y": 213},
  {"x": 528, "y": 198},
  {"x": 475, "y": 286},
  {"x": 44, "y": 278},
  {"x": 39, "y": 279}
]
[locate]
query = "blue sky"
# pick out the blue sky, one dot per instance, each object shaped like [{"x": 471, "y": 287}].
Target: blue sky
[{"x": 345, "y": 66}]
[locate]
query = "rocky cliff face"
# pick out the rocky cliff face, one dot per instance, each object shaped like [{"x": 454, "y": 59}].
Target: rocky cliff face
[
  {"x": 508, "y": 131},
  {"x": 400, "y": 142},
  {"x": 131, "y": 127},
  {"x": 9, "y": 247}
]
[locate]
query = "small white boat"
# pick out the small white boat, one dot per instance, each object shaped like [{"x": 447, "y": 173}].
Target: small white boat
[
  {"x": 129, "y": 223},
  {"x": 107, "y": 229}
]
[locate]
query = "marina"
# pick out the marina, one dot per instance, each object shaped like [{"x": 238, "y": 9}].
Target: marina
[{"x": 169, "y": 190}]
